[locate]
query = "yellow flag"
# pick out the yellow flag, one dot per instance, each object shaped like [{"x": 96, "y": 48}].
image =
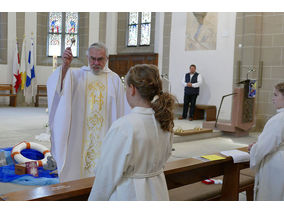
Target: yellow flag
[
  {"x": 24, "y": 77},
  {"x": 23, "y": 65}
]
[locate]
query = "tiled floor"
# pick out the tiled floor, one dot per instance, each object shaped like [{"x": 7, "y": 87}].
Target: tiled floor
[{"x": 24, "y": 123}]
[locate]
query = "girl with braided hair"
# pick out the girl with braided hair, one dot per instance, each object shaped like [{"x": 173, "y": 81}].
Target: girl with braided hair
[
  {"x": 138, "y": 145},
  {"x": 267, "y": 154}
]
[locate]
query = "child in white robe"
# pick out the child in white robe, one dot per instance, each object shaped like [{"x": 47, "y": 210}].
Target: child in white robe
[
  {"x": 267, "y": 154},
  {"x": 138, "y": 145}
]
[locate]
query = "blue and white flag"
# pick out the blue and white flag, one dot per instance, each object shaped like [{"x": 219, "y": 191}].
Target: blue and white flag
[
  {"x": 31, "y": 67},
  {"x": 29, "y": 91}
]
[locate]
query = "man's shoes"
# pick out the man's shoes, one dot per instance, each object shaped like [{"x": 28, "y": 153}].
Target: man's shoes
[
  {"x": 181, "y": 118},
  {"x": 191, "y": 119}
]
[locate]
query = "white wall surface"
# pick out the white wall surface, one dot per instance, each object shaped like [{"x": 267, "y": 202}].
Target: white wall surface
[
  {"x": 159, "y": 32},
  {"x": 94, "y": 27},
  {"x": 215, "y": 66},
  {"x": 111, "y": 32}
]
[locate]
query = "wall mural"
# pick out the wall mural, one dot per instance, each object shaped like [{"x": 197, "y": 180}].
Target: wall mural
[{"x": 201, "y": 31}]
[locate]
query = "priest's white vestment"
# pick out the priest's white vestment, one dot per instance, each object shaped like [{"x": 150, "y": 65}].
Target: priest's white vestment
[
  {"x": 134, "y": 153},
  {"x": 80, "y": 115},
  {"x": 267, "y": 158}
]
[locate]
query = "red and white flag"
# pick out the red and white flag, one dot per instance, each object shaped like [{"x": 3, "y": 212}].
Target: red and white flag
[{"x": 16, "y": 70}]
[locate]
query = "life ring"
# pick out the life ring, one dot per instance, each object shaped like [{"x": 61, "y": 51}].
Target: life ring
[{"x": 19, "y": 158}]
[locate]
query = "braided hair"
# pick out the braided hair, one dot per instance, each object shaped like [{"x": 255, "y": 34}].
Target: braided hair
[{"x": 146, "y": 79}]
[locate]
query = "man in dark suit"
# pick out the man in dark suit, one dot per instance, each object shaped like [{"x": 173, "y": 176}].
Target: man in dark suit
[{"x": 191, "y": 83}]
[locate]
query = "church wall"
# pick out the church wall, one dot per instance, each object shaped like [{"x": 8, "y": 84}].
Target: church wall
[
  {"x": 3, "y": 37},
  {"x": 167, "y": 27},
  {"x": 102, "y": 27},
  {"x": 111, "y": 32},
  {"x": 94, "y": 27},
  {"x": 216, "y": 66},
  {"x": 5, "y": 51},
  {"x": 261, "y": 39},
  {"x": 20, "y": 29},
  {"x": 158, "y": 42}
]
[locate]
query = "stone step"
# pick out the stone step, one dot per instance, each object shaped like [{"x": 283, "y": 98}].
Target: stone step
[{"x": 200, "y": 136}]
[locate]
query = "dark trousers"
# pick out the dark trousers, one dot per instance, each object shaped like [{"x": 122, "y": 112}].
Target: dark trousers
[{"x": 186, "y": 100}]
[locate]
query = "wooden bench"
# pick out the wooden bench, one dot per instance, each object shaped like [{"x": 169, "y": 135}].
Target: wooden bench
[
  {"x": 177, "y": 173},
  {"x": 187, "y": 171},
  {"x": 202, "y": 110},
  {"x": 9, "y": 87},
  {"x": 40, "y": 92},
  {"x": 203, "y": 192}
]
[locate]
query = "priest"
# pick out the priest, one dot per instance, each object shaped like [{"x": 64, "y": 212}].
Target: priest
[{"x": 82, "y": 105}]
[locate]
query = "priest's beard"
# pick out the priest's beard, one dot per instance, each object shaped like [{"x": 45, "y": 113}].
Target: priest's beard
[{"x": 96, "y": 71}]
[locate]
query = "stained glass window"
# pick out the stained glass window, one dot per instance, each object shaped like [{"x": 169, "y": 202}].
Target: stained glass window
[
  {"x": 133, "y": 33},
  {"x": 74, "y": 48},
  {"x": 146, "y": 17},
  {"x": 145, "y": 28},
  {"x": 54, "y": 45},
  {"x": 55, "y": 23},
  {"x": 132, "y": 29},
  {"x": 139, "y": 28},
  {"x": 62, "y": 28},
  {"x": 133, "y": 18}
]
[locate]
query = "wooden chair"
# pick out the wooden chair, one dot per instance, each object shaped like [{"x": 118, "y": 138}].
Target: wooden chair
[
  {"x": 41, "y": 92},
  {"x": 9, "y": 87}
]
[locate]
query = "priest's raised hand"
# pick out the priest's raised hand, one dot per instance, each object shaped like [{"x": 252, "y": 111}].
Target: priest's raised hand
[{"x": 67, "y": 59}]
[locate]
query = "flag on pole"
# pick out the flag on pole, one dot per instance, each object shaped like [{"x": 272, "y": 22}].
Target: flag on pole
[
  {"x": 16, "y": 70},
  {"x": 31, "y": 68},
  {"x": 30, "y": 72},
  {"x": 23, "y": 65}
]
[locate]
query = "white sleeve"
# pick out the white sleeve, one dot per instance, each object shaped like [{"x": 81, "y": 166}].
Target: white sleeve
[
  {"x": 53, "y": 96},
  {"x": 199, "y": 81},
  {"x": 183, "y": 81},
  {"x": 123, "y": 107},
  {"x": 59, "y": 111},
  {"x": 268, "y": 141},
  {"x": 114, "y": 160}
]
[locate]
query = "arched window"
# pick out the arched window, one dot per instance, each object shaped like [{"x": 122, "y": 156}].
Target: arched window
[
  {"x": 139, "y": 29},
  {"x": 62, "y": 27}
]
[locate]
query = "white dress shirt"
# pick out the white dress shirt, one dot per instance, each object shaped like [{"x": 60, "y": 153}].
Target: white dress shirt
[{"x": 195, "y": 85}]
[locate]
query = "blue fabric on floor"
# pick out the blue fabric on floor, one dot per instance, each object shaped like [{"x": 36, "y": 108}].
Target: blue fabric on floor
[
  {"x": 7, "y": 173},
  {"x": 32, "y": 181}
]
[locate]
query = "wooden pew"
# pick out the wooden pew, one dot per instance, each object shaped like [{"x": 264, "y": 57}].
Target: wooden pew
[
  {"x": 9, "y": 87},
  {"x": 177, "y": 173},
  {"x": 188, "y": 171},
  {"x": 202, "y": 110},
  {"x": 40, "y": 92},
  {"x": 202, "y": 192}
]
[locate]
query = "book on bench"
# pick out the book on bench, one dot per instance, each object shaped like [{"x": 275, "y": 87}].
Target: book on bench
[{"x": 237, "y": 155}]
